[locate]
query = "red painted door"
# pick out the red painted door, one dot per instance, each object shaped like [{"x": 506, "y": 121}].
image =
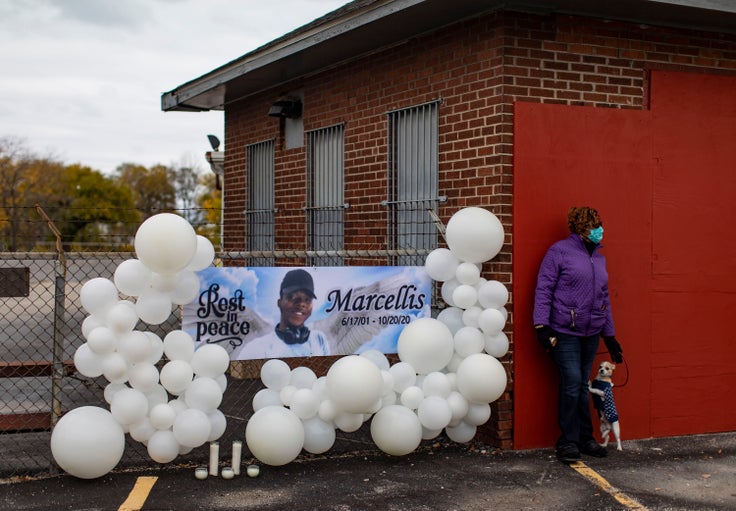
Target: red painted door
[{"x": 663, "y": 183}]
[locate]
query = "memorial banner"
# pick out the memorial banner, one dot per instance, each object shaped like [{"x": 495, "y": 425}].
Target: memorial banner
[{"x": 281, "y": 312}]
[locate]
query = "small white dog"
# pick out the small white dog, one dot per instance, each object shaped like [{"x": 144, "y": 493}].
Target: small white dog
[{"x": 602, "y": 391}]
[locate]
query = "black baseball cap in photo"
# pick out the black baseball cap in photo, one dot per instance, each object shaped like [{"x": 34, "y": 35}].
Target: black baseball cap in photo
[{"x": 298, "y": 280}]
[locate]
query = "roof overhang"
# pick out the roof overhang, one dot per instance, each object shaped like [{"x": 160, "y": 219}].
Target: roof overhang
[{"x": 364, "y": 26}]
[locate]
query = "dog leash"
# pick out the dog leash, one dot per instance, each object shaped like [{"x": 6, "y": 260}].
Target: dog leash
[{"x": 626, "y": 380}]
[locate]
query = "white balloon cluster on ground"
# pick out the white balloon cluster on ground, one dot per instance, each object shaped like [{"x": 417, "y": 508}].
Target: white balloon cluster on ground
[
  {"x": 447, "y": 376},
  {"x": 171, "y": 411}
]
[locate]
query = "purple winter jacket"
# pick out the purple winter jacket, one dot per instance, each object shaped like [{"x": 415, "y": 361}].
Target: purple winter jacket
[{"x": 572, "y": 290}]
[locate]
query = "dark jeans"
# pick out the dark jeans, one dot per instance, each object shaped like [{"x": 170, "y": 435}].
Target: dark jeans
[{"x": 573, "y": 357}]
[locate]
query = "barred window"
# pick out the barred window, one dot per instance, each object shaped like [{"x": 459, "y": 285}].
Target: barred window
[
  {"x": 412, "y": 181},
  {"x": 260, "y": 213},
  {"x": 325, "y": 211}
]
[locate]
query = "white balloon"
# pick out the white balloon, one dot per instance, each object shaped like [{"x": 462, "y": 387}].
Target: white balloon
[
  {"x": 469, "y": 340},
  {"x": 497, "y": 345},
  {"x": 163, "y": 447},
  {"x": 467, "y": 273},
  {"x": 98, "y": 295},
  {"x": 142, "y": 430},
  {"x": 428, "y": 434},
  {"x": 266, "y": 397},
  {"x": 304, "y": 403},
  {"x": 493, "y": 295},
  {"x": 275, "y": 374},
  {"x": 115, "y": 368},
  {"x": 302, "y": 377},
  {"x": 327, "y": 410},
  {"x": 156, "y": 350},
  {"x": 447, "y": 291},
  {"x": 90, "y": 323},
  {"x": 121, "y": 317},
  {"x": 102, "y": 340},
  {"x": 157, "y": 395},
  {"x": 319, "y": 436},
  {"x": 166, "y": 243},
  {"x": 186, "y": 288},
  {"x": 464, "y": 296},
  {"x": 436, "y": 384},
  {"x": 470, "y": 316},
  {"x": 474, "y": 235},
  {"x": 452, "y": 317},
  {"x": 411, "y": 397},
  {"x": 491, "y": 321},
  {"x": 163, "y": 282},
  {"x": 441, "y": 264},
  {"x": 377, "y": 358},
  {"x": 458, "y": 405},
  {"x": 176, "y": 376},
  {"x": 274, "y": 435},
  {"x": 143, "y": 376},
  {"x": 462, "y": 433},
  {"x": 132, "y": 277},
  {"x": 348, "y": 422},
  {"x": 218, "y": 425},
  {"x": 87, "y": 362},
  {"x": 434, "y": 412},
  {"x": 478, "y": 413},
  {"x": 210, "y": 360},
  {"x": 354, "y": 383},
  {"x": 129, "y": 406},
  {"x": 286, "y": 393},
  {"x": 404, "y": 376},
  {"x": 135, "y": 346},
  {"x": 153, "y": 307},
  {"x": 203, "y": 394},
  {"x": 203, "y": 256},
  {"x": 481, "y": 378},
  {"x": 426, "y": 344},
  {"x": 396, "y": 430},
  {"x": 87, "y": 442},
  {"x": 162, "y": 416},
  {"x": 111, "y": 389},
  {"x": 191, "y": 428},
  {"x": 179, "y": 345}
]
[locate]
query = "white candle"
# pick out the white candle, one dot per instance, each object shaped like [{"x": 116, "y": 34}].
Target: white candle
[
  {"x": 214, "y": 458},
  {"x": 227, "y": 473},
  {"x": 253, "y": 470},
  {"x": 200, "y": 473},
  {"x": 237, "y": 452}
]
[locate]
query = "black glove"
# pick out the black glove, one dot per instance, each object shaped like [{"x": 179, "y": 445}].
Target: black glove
[
  {"x": 614, "y": 348},
  {"x": 546, "y": 336}
]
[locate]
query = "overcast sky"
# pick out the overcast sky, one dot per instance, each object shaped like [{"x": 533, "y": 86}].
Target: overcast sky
[{"x": 81, "y": 80}]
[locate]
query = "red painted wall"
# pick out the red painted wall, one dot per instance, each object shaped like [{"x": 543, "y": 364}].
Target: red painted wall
[{"x": 664, "y": 184}]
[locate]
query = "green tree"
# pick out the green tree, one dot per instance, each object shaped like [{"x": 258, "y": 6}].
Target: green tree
[
  {"x": 153, "y": 189},
  {"x": 15, "y": 160},
  {"x": 209, "y": 202}
]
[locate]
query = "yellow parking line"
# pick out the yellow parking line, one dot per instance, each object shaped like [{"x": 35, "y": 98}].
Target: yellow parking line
[
  {"x": 594, "y": 477},
  {"x": 138, "y": 494}
]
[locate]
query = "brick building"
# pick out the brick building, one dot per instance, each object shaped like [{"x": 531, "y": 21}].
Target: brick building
[{"x": 341, "y": 135}]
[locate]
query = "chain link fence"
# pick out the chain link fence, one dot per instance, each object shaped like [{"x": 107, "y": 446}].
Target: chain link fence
[{"x": 41, "y": 328}]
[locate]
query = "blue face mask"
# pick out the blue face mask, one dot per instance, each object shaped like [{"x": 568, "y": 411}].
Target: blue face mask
[{"x": 596, "y": 235}]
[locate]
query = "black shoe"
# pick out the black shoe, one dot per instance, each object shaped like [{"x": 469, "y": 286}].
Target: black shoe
[
  {"x": 591, "y": 448},
  {"x": 568, "y": 453}
]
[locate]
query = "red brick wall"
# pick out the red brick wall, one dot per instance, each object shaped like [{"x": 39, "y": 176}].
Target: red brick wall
[{"x": 477, "y": 68}]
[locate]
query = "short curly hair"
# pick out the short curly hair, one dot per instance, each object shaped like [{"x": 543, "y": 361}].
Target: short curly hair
[{"x": 581, "y": 219}]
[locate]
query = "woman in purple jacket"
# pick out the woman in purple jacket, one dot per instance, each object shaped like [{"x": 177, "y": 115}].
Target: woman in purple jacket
[{"x": 571, "y": 312}]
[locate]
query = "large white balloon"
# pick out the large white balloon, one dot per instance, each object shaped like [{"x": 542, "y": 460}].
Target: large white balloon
[
  {"x": 165, "y": 243},
  {"x": 426, "y": 344},
  {"x": 274, "y": 435},
  {"x": 354, "y": 384},
  {"x": 87, "y": 442},
  {"x": 481, "y": 378},
  {"x": 474, "y": 235},
  {"x": 396, "y": 430}
]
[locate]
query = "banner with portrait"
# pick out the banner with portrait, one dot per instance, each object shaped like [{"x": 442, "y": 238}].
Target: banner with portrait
[{"x": 351, "y": 309}]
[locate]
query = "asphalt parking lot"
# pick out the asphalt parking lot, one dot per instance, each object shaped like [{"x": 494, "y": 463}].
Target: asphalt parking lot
[{"x": 682, "y": 473}]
